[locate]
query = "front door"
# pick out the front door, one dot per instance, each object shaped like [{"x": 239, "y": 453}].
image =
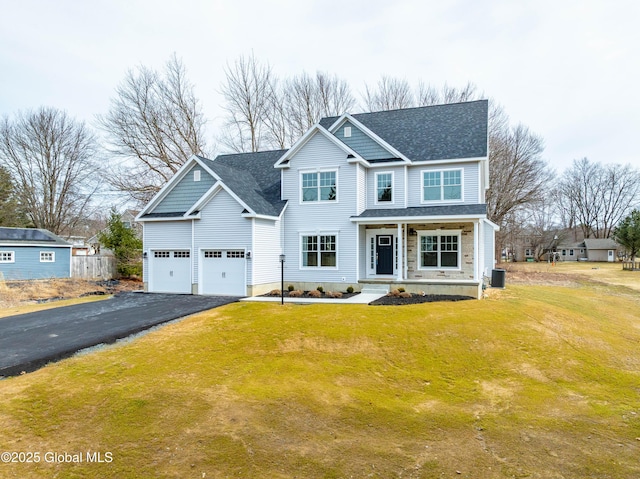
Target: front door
[{"x": 384, "y": 254}]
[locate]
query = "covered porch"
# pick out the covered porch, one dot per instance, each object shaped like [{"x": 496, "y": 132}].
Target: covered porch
[{"x": 427, "y": 250}]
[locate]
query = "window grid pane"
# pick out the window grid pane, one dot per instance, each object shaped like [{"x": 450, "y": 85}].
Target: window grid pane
[{"x": 384, "y": 187}]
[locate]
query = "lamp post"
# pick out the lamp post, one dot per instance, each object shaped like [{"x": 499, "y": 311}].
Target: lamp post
[{"x": 282, "y": 258}]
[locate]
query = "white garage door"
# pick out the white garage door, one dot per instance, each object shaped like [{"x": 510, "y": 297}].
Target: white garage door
[
  {"x": 170, "y": 271},
  {"x": 223, "y": 272}
]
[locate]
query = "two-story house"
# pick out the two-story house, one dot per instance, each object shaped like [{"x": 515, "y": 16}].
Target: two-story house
[{"x": 392, "y": 198}]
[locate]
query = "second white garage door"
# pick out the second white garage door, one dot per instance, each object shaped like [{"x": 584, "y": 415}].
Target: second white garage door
[{"x": 223, "y": 272}]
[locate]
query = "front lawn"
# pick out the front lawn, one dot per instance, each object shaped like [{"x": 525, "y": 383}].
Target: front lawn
[{"x": 534, "y": 381}]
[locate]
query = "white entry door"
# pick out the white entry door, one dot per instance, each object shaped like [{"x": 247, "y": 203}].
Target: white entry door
[
  {"x": 223, "y": 272},
  {"x": 170, "y": 271}
]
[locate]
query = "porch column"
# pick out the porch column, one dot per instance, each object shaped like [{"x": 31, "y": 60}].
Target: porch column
[
  {"x": 477, "y": 253},
  {"x": 400, "y": 253}
]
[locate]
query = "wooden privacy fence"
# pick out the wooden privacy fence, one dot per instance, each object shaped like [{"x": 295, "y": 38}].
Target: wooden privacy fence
[{"x": 93, "y": 267}]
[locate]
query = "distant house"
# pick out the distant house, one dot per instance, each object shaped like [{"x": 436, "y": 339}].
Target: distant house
[
  {"x": 128, "y": 218},
  {"x": 601, "y": 249},
  {"x": 597, "y": 250},
  {"x": 27, "y": 253}
]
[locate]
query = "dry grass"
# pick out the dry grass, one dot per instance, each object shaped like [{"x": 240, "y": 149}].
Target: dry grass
[
  {"x": 25, "y": 296},
  {"x": 537, "y": 381}
]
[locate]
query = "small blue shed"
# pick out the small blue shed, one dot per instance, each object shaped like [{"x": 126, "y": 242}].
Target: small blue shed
[{"x": 27, "y": 253}]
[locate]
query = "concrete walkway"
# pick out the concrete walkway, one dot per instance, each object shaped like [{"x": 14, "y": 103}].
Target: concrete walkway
[{"x": 365, "y": 297}]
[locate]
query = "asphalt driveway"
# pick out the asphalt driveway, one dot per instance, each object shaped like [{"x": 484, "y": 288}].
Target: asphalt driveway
[{"x": 29, "y": 341}]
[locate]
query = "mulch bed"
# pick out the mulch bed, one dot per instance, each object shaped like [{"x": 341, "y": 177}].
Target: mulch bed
[
  {"x": 417, "y": 299},
  {"x": 306, "y": 295}
]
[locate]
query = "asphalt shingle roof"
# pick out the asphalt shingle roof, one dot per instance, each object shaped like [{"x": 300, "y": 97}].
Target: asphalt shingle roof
[
  {"x": 439, "y": 132},
  {"x": 30, "y": 236},
  {"x": 253, "y": 178},
  {"x": 440, "y": 210}
]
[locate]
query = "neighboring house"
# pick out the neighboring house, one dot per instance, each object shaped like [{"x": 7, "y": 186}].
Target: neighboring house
[
  {"x": 128, "y": 218},
  {"x": 394, "y": 198},
  {"x": 33, "y": 254},
  {"x": 601, "y": 249},
  {"x": 598, "y": 250}
]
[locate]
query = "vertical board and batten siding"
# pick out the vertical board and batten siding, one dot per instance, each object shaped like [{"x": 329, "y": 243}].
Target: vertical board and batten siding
[
  {"x": 362, "y": 144},
  {"x": 27, "y": 263},
  {"x": 186, "y": 193},
  {"x": 221, "y": 226},
  {"x": 169, "y": 235},
  {"x": 321, "y": 217},
  {"x": 469, "y": 183},
  {"x": 267, "y": 247},
  {"x": 398, "y": 190}
]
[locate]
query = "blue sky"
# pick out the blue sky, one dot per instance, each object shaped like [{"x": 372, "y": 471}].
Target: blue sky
[{"x": 567, "y": 69}]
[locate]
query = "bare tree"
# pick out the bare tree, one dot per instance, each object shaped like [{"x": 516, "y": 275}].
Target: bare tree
[
  {"x": 248, "y": 93},
  {"x": 429, "y": 95},
  {"x": 53, "y": 161},
  {"x": 308, "y": 99},
  {"x": 154, "y": 125},
  {"x": 518, "y": 175},
  {"x": 598, "y": 197},
  {"x": 389, "y": 94}
]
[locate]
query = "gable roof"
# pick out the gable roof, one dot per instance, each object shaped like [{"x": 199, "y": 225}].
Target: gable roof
[
  {"x": 30, "y": 236},
  {"x": 252, "y": 177},
  {"x": 439, "y": 132},
  {"x": 595, "y": 243}
]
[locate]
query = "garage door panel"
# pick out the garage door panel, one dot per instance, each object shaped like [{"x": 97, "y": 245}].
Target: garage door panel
[
  {"x": 223, "y": 272},
  {"x": 170, "y": 271}
]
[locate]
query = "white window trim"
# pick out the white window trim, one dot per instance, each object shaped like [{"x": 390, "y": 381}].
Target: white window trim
[
  {"x": 12, "y": 256},
  {"x": 441, "y": 171},
  {"x": 318, "y": 233},
  {"x": 317, "y": 172},
  {"x": 439, "y": 233},
  {"x": 393, "y": 187},
  {"x": 53, "y": 256}
]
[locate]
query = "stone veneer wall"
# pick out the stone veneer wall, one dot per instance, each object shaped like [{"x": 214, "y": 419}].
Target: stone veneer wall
[{"x": 466, "y": 240}]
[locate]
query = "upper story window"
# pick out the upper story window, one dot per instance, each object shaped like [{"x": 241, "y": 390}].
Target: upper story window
[
  {"x": 47, "y": 257},
  {"x": 319, "y": 186},
  {"x": 439, "y": 250},
  {"x": 384, "y": 187},
  {"x": 443, "y": 185},
  {"x": 7, "y": 257}
]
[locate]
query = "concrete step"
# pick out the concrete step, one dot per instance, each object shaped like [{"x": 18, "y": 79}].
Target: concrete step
[{"x": 375, "y": 289}]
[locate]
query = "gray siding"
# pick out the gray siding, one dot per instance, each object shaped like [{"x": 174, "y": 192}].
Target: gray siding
[
  {"x": 186, "y": 192},
  {"x": 362, "y": 144},
  {"x": 27, "y": 263},
  {"x": 318, "y": 218},
  {"x": 470, "y": 182},
  {"x": 164, "y": 235},
  {"x": 267, "y": 247},
  {"x": 222, "y": 227},
  {"x": 398, "y": 188},
  {"x": 488, "y": 245}
]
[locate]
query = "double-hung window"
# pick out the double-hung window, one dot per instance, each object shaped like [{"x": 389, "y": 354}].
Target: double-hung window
[
  {"x": 384, "y": 187},
  {"x": 439, "y": 250},
  {"x": 319, "y": 186},
  {"x": 319, "y": 251},
  {"x": 442, "y": 185}
]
